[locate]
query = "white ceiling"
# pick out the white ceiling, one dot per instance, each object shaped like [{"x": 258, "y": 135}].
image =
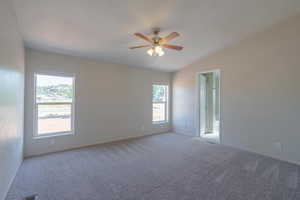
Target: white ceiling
[{"x": 103, "y": 29}]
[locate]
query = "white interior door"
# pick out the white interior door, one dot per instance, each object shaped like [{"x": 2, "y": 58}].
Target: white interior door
[
  {"x": 209, "y": 106},
  {"x": 202, "y": 102}
]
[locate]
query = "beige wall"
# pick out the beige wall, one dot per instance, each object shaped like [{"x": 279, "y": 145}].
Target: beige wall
[
  {"x": 112, "y": 101},
  {"x": 260, "y": 92},
  {"x": 11, "y": 96}
]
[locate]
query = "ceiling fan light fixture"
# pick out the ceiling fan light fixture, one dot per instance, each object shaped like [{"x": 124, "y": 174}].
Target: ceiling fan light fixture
[
  {"x": 156, "y": 51},
  {"x": 150, "y": 51},
  {"x": 161, "y": 53},
  {"x": 157, "y": 43}
]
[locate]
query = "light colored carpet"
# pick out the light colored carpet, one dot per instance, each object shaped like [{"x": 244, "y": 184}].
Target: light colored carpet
[{"x": 162, "y": 167}]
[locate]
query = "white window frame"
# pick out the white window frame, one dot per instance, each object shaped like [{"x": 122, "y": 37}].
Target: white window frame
[
  {"x": 166, "y": 103},
  {"x": 35, "y": 109}
]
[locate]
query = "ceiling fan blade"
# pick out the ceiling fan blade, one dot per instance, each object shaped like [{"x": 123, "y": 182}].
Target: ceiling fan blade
[
  {"x": 170, "y": 37},
  {"x": 141, "y": 46},
  {"x": 143, "y": 37},
  {"x": 168, "y": 46}
]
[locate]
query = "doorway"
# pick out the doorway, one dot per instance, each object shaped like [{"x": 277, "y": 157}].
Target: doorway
[{"x": 208, "y": 86}]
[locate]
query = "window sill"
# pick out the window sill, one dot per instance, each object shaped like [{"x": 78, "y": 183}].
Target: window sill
[
  {"x": 53, "y": 135},
  {"x": 160, "y": 123}
]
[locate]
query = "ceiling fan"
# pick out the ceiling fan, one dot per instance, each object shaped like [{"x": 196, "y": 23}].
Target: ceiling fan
[{"x": 157, "y": 43}]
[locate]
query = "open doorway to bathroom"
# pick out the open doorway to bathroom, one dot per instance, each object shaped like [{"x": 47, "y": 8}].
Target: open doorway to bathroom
[{"x": 208, "y": 86}]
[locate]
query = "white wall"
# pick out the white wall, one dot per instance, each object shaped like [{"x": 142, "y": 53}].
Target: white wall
[
  {"x": 11, "y": 96},
  {"x": 260, "y": 92},
  {"x": 112, "y": 101}
]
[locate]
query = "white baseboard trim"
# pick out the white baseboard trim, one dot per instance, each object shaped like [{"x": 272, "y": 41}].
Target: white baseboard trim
[{"x": 99, "y": 143}]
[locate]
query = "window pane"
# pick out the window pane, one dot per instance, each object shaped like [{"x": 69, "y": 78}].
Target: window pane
[
  {"x": 54, "y": 118},
  {"x": 159, "y": 93},
  {"x": 158, "y": 112},
  {"x": 54, "y": 89}
]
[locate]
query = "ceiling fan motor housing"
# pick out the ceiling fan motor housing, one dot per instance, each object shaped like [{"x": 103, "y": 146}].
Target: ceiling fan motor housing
[
  {"x": 156, "y": 30},
  {"x": 156, "y": 39}
]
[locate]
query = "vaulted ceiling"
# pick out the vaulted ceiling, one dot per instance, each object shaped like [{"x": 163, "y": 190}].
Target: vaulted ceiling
[{"x": 103, "y": 29}]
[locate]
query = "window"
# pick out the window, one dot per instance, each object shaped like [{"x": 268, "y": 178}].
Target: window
[
  {"x": 54, "y": 105},
  {"x": 159, "y": 103}
]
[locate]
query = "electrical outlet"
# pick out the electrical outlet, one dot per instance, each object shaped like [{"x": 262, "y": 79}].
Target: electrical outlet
[{"x": 143, "y": 128}]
